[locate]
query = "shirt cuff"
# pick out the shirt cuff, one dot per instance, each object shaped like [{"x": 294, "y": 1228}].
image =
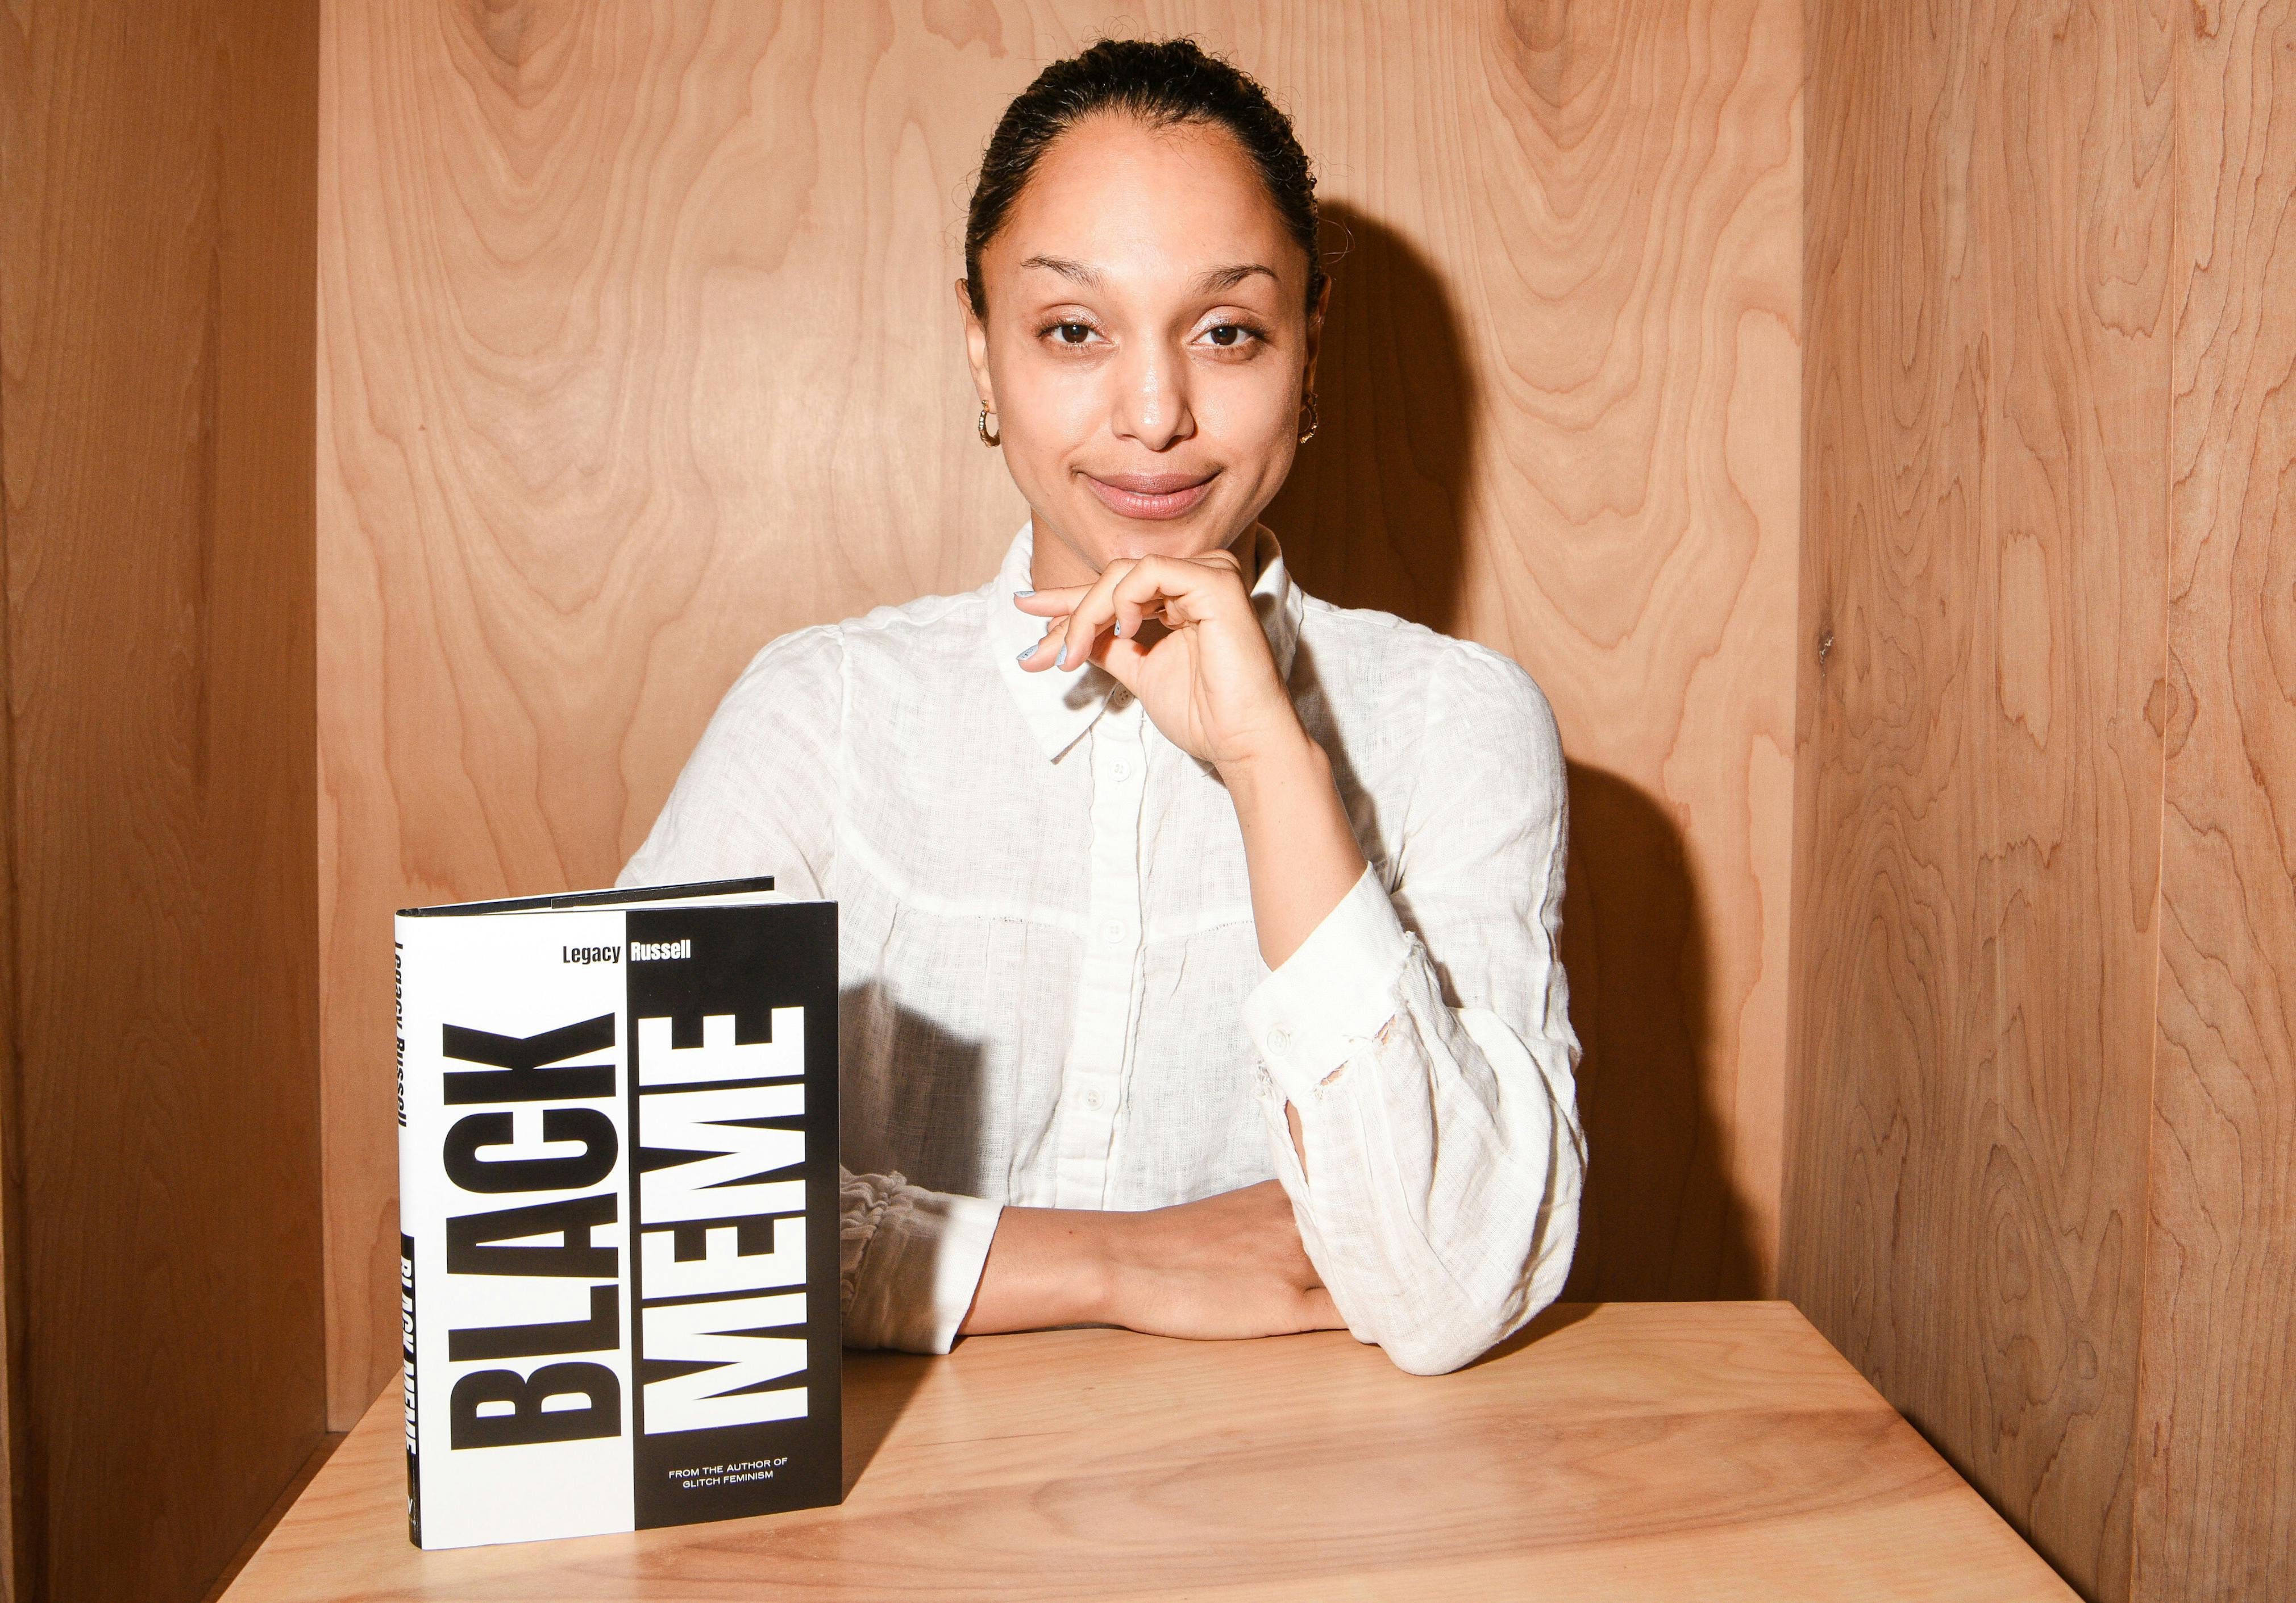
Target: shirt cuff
[
  {"x": 1333, "y": 995},
  {"x": 920, "y": 1270}
]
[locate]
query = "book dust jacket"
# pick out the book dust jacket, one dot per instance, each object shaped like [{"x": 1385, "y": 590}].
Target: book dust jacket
[{"x": 617, "y": 1204}]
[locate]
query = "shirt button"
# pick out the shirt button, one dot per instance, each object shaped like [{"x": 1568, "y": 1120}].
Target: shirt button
[
  {"x": 1092, "y": 1100},
  {"x": 1113, "y": 931},
  {"x": 1281, "y": 1039},
  {"x": 1119, "y": 769},
  {"x": 1119, "y": 697}
]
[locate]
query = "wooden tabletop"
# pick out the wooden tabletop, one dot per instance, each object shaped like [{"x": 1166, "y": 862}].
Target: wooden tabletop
[{"x": 1709, "y": 1451}]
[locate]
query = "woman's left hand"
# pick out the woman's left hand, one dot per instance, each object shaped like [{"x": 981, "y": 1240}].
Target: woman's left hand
[{"x": 1180, "y": 634}]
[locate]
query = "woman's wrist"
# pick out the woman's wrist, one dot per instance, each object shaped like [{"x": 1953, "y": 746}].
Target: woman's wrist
[{"x": 1286, "y": 760}]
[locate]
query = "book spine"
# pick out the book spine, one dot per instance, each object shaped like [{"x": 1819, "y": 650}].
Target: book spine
[
  {"x": 407, "y": 1257},
  {"x": 414, "y": 1450}
]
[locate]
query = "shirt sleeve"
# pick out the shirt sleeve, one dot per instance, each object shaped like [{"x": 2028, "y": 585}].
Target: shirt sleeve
[
  {"x": 1433, "y": 1060},
  {"x": 759, "y": 795}
]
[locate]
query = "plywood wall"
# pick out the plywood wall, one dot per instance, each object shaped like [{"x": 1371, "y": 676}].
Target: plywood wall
[
  {"x": 638, "y": 348},
  {"x": 2215, "y": 1496},
  {"x": 1986, "y": 397},
  {"x": 157, "y": 235}
]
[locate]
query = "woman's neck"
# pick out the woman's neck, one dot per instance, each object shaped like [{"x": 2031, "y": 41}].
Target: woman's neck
[{"x": 1055, "y": 561}]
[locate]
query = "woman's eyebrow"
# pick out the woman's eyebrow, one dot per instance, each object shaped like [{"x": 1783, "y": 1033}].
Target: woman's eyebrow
[
  {"x": 1075, "y": 270},
  {"x": 1228, "y": 278}
]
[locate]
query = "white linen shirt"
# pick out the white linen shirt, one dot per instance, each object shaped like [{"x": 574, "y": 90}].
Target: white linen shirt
[{"x": 1051, "y": 987}]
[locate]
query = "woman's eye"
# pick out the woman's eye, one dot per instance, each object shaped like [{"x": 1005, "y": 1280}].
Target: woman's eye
[
  {"x": 1228, "y": 336},
  {"x": 1072, "y": 334}
]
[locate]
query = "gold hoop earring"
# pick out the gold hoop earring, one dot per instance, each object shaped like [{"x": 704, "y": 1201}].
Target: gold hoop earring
[
  {"x": 1314, "y": 418},
  {"x": 981, "y": 428}
]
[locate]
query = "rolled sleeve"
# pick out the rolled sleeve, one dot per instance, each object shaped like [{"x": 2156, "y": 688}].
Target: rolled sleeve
[
  {"x": 912, "y": 1260},
  {"x": 1315, "y": 1010}
]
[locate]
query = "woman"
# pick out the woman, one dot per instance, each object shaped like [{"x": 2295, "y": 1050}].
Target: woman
[{"x": 1198, "y": 936}]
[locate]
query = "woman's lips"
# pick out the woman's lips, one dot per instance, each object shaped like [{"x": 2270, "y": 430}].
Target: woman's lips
[{"x": 1151, "y": 495}]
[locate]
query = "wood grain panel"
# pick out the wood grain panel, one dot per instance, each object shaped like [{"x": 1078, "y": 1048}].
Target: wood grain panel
[
  {"x": 157, "y": 193},
  {"x": 16, "y": 1521},
  {"x": 1978, "y": 774},
  {"x": 15, "y": 1527},
  {"x": 2216, "y": 1505},
  {"x": 638, "y": 348},
  {"x": 1719, "y": 1452}
]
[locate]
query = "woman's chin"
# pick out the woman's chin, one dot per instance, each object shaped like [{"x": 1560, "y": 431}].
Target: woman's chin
[{"x": 1195, "y": 534}]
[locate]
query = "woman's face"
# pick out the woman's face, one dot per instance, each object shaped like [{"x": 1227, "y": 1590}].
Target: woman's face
[{"x": 1146, "y": 344}]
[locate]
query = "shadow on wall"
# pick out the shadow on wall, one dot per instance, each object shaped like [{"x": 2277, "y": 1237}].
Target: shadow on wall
[{"x": 1375, "y": 514}]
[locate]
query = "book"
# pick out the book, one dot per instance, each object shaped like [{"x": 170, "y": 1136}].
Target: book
[{"x": 618, "y": 1210}]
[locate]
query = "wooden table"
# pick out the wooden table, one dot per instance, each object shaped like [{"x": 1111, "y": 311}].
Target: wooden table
[{"x": 1704, "y": 1450}]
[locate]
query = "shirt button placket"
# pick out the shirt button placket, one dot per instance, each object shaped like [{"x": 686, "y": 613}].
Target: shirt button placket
[{"x": 1093, "y": 1075}]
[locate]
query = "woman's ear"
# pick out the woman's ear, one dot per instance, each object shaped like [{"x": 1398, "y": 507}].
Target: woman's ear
[
  {"x": 1315, "y": 342},
  {"x": 976, "y": 347}
]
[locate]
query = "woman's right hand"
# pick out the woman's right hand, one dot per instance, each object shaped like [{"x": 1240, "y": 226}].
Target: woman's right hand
[
  {"x": 1229, "y": 1265},
  {"x": 1225, "y": 1266}
]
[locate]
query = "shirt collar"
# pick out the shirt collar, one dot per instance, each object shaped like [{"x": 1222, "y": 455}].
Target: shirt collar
[{"x": 1060, "y": 704}]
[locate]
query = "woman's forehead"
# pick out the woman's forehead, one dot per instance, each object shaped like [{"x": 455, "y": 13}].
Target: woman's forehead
[{"x": 1114, "y": 199}]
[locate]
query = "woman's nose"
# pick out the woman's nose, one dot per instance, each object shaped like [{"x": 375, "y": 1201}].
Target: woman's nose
[{"x": 1152, "y": 399}]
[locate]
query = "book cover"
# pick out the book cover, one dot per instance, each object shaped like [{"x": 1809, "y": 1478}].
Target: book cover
[{"x": 618, "y": 1210}]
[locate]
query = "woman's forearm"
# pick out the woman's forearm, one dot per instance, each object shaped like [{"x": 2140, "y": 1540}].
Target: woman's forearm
[
  {"x": 1046, "y": 1267},
  {"x": 1222, "y": 1266},
  {"x": 1299, "y": 847}
]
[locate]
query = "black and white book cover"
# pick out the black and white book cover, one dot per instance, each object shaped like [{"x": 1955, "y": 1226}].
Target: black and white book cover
[{"x": 618, "y": 1210}]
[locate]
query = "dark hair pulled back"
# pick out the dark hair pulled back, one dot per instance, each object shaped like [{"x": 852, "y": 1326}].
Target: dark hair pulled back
[{"x": 1161, "y": 82}]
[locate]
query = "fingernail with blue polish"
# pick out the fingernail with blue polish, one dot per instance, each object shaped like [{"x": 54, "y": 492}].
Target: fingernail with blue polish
[
  {"x": 1025, "y": 655},
  {"x": 1018, "y": 594},
  {"x": 1116, "y": 629}
]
